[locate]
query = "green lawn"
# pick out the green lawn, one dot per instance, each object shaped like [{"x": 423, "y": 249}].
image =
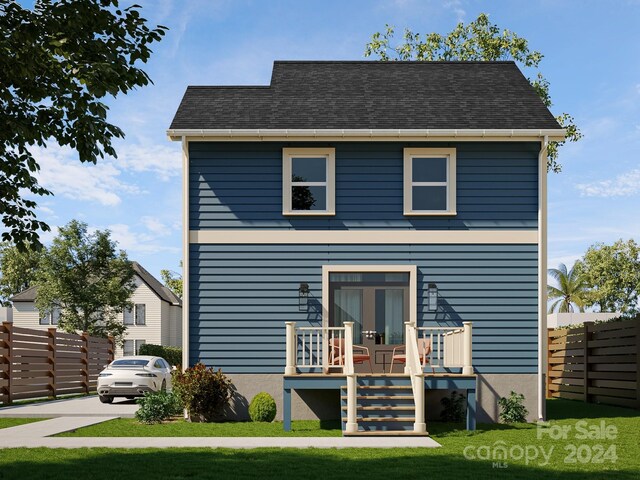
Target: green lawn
[
  {"x": 449, "y": 462},
  {"x": 14, "y": 422},
  {"x": 130, "y": 427}
]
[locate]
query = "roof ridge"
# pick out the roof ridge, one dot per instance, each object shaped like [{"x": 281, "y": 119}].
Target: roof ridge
[{"x": 398, "y": 62}]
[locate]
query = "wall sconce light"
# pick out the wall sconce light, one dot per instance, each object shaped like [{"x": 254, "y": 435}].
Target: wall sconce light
[
  {"x": 303, "y": 297},
  {"x": 432, "y": 297}
]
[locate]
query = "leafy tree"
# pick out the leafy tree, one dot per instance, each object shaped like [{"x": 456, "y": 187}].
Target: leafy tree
[
  {"x": 172, "y": 280},
  {"x": 480, "y": 40},
  {"x": 59, "y": 59},
  {"x": 571, "y": 291},
  {"x": 613, "y": 274},
  {"x": 301, "y": 198},
  {"x": 84, "y": 276},
  {"x": 18, "y": 269}
]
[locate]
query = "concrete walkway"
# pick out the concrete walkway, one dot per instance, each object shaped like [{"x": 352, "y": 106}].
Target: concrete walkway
[
  {"x": 38, "y": 434},
  {"x": 89, "y": 406}
]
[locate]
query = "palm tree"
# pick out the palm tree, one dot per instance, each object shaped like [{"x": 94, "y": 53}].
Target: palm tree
[{"x": 571, "y": 291}]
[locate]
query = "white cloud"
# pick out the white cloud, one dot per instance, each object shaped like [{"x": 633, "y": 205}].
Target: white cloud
[
  {"x": 624, "y": 185},
  {"x": 156, "y": 226},
  {"x": 137, "y": 242},
  {"x": 456, "y": 7},
  {"x": 162, "y": 160},
  {"x": 63, "y": 174}
]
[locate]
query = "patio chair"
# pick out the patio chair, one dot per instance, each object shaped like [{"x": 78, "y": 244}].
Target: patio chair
[
  {"x": 399, "y": 353},
  {"x": 337, "y": 353}
]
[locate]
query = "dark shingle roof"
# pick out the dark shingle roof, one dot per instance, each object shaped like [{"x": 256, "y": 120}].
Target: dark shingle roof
[
  {"x": 372, "y": 95},
  {"x": 29, "y": 295}
]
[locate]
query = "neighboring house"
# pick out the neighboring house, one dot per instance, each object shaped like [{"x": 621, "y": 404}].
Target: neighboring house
[
  {"x": 555, "y": 320},
  {"x": 6, "y": 314},
  {"x": 372, "y": 193},
  {"x": 155, "y": 317}
]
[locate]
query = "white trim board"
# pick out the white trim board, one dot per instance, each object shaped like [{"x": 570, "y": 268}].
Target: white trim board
[
  {"x": 268, "y": 134},
  {"x": 252, "y": 236}
]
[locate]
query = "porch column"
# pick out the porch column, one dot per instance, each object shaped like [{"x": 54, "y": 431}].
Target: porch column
[
  {"x": 471, "y": 409},
  {"x": 467, "y": 367},
  {"x": 286, "y": 409},
  {"x": 290, "y": 348}
]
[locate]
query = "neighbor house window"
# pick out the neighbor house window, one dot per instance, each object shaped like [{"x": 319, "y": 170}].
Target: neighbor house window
[
  {"x": 430, "y": 181},
  {"x": 128, "y": 316},
  {"x": 140, "y": 314},
  {"x": 132, "y": 347},
  {"x": 135, "y": 315},
  {"x": 50, "y": 318},
  {"x": 308, "y": 181}
]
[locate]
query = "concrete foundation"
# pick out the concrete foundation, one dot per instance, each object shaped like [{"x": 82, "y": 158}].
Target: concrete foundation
[{"x": 325, "y": 404}]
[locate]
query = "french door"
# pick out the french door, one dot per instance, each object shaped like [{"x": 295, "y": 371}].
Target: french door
[{"x": 378, "y": 305}]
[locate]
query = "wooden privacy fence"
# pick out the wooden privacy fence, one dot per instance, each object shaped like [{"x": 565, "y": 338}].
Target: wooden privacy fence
[
  {"x": 48, "y": 363},
  {"x": 596, "y": 363}
]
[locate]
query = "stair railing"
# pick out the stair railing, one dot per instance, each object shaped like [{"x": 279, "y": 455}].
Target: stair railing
[
  {"x": 349, "y": 371},
  {"x": 416, "y": 374}
]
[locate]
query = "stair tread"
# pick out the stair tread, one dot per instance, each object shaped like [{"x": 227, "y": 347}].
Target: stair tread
[
  {"x": 385, "y": 433},
  {"x": 385, "y": 387},
  {"x": 381, "y": 397},
  {"x": 382, "y": 419},
  {"x": 383, "y": 407}
]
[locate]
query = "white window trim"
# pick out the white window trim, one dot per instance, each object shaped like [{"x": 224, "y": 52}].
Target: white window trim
[
  {"x": 287, "y": 184},
  {"x": 450, "y": 154}
]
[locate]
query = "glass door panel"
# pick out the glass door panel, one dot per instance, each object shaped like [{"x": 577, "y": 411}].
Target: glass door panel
[
  {"x": 390, "y": 315},
  {"x": 347, "y": 307}
]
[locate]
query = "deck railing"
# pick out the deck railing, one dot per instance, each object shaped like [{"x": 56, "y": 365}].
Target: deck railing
[
  {"x": 451, "y": 347},
  {"x": 317, "y": 349}
]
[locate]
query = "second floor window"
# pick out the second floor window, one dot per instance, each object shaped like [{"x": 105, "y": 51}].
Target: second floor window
[
  {"x": 429, "y": 181},
  {"x": 50, "y": 318},
  {"x": 308, "y": 181},
  {"x": 135, "y": 315}
]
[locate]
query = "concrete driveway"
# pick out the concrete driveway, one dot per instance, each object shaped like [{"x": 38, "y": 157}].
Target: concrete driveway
[{"x": 75, "y": 407}]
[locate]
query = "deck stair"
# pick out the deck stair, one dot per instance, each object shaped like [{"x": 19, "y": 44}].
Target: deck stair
[{"x": 385, "y": 406}]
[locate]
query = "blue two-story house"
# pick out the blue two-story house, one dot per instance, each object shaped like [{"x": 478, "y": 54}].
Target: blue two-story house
[{"x": 360, "y": 236}]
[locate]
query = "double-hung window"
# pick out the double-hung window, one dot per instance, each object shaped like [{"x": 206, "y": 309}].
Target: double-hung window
[
  {"x": 50, "y": 318},
  {"x": 429, "y": 181},
  {"x": 308, "y": 181},
  {"x": 135, "y": 315}
]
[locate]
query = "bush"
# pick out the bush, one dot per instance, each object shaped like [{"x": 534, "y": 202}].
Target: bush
[
  {"x": 203, "y": 392},
  {"x": 262, "y": 408},
  {"x": 173, "y": 355},
  {"x": 156, "y": 407},
  {"x": 452, "y": 408},
  {"x": 512, "y": 409}
]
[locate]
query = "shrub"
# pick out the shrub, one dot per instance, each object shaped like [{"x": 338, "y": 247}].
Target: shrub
[
  {"x": 173, "y": 355},
  {"x": 203, "y": 392},
  {"x": 452, "y": 408},
  {"x": 157, "y": 406},
  {"x": 512, "y": 409},
  {"x": 262, "y": 408}
]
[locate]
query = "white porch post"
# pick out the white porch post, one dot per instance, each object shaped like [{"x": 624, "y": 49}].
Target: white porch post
[
  {"x": 418, "y": 393},
  {"x": 352, "y": 423},
  {"x": 290, "y": 348},
  {"x": 467, "y": 367}
]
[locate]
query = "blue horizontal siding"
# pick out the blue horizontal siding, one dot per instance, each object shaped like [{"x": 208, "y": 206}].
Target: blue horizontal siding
[
  {"x": 241, "y": 295},
  {"x": 239, "y": 185}
]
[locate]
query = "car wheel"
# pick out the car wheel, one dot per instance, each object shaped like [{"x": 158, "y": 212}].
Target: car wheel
[
  {"x": 105, "y": 399},
  {"x": 163, "y": 387}
]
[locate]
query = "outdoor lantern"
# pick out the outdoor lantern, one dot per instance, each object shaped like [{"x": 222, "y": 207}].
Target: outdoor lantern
[
  {"x": 432, "y": 297},
  {"x": 303, "y": 296}
]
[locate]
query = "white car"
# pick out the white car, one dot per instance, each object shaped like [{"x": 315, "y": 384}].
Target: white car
[{"x": 133, "y": 376}]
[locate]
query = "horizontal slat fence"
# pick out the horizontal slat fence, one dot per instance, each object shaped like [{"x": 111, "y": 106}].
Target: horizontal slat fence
[
  {"x": 596, "y": 363},
  {"x": 48, "y": 363}
]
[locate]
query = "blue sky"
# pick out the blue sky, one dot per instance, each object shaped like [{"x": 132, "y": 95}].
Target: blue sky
[{"x": 591, "y": 48}]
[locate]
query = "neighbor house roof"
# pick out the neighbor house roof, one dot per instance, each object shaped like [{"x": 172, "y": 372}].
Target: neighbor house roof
[
  {"x": 29, "y": 295},
  {"x": 371, "y": 95}
]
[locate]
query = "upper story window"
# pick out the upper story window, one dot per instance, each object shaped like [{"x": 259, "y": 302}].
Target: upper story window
[
  {"x": 308, "y": 181},
  {"x": 429, "y": 181},
  {"x": 50, "y": 318},
  {"x": 135, "y": 315}
]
